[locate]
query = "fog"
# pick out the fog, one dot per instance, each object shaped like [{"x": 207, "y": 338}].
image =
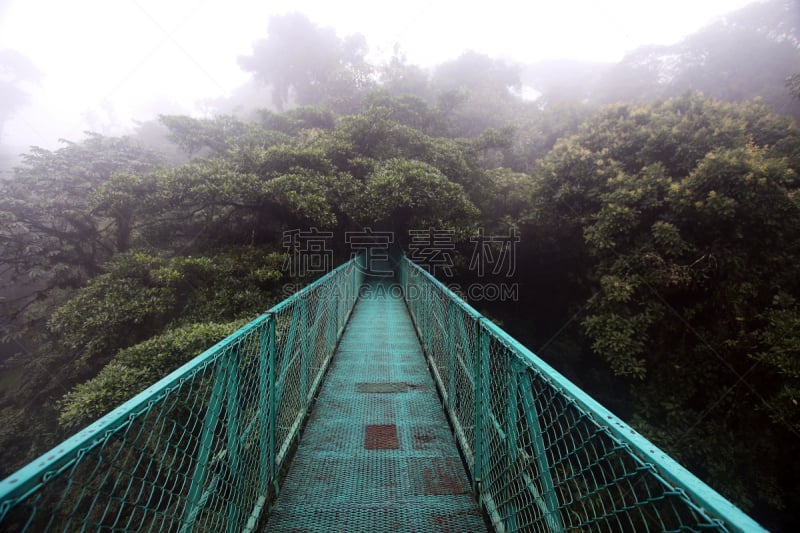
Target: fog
[{"x": 101, "y": 66}]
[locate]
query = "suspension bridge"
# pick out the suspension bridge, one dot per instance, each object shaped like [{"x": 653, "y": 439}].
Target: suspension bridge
[{"x": 363, "y": 403}]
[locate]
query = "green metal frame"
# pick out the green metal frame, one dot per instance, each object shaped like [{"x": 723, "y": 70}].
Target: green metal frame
[
  {"x": 544, "y": 455},
  {"x": 202, "y": 448}
]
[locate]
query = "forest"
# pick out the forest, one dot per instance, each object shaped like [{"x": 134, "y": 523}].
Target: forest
[{"x": 656, "y": 200}]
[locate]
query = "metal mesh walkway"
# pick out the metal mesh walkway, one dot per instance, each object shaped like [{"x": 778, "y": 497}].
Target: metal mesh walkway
[{"x": 377, "y": 453}]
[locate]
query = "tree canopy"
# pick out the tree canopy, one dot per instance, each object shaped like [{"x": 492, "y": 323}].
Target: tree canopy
[
  {"x": 309, "y": 64},
  {"x": 747, "y": 53}
]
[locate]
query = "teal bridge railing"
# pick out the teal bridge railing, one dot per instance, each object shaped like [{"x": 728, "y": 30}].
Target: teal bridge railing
[
  {"x": 542, "y": 454},
  {"x": 204, "y": 448}
]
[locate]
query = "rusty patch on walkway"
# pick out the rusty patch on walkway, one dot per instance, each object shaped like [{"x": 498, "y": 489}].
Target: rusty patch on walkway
[
  {"x": 385, "y": 387},
  {"x": 381, "y": 437},
  {"x": 423, "y": 441},
  {"x": 436, "y": 476}
]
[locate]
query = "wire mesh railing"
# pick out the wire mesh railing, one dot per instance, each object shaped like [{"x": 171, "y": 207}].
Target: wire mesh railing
[
  {"x": 203, "y": 448},
  {"x": 542, "y": 454}
]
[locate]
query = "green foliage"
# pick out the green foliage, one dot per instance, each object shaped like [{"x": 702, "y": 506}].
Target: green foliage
[
  {"x": 281, "y": 159},
  {"x": 310, "y": 117},
  {"x": 116, "y": 308},
  {"x": 536, "y": 131},
  {"x": 52, "y": 237},
  {"x": 133, "y": 369},
  {"x": 294, "y": 121},
  {"x": 374, "y": 134},
  {"x": 216, "y": 136},
  {"x": 141, "y": 294},
  {"x": 507, "y": 199},
  {"x": 691, "y": 237},
  {"x": 408, "y": 110},
  {"x": 305, "y": 195},
  {"x": 190, "y": 207},
  {"x": 403, "y": 194},
  {"x": 678, "y": 133}
]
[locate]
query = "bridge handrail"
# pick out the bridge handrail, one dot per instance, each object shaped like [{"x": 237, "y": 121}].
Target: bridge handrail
[
  {"x": 543, "y": 454},
  {"x": 202, "y": 447}
]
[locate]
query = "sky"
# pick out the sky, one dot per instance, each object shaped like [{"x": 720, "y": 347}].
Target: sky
[{"x": 106, "y": 63}]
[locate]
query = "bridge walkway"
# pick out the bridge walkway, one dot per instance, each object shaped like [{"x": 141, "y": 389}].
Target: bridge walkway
[{"x": 377, "y": 453}]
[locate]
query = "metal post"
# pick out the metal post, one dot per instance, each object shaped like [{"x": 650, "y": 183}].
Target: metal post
[
  {"x": 265, "y": 345},
  {"x": 511, "y": 446},
  {"x": 193, "y": 500},
  {"x": 305, "y": 356},
  {"x": 290, "y": 356},
  {"x": 331, "y": 326},
  {"x": 233, "y": 360},
  {"x": 451, "y": 356},
  {"x": 272, "y": 406},
  {"x": 542, "y": 465},
  {"x": 479, "y": 395}
]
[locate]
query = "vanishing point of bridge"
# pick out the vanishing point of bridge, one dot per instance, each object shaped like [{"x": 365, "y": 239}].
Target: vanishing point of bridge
[{"x": 363, "y": 404}]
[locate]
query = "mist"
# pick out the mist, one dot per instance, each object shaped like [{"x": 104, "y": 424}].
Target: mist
[{"x": 103, "y": 67}]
